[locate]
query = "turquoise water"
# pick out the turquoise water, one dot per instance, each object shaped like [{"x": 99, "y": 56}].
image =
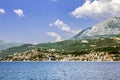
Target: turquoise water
[{"x": 59, "y": 70}]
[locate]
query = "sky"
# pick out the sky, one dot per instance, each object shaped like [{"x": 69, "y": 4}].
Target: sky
[{"x": 41, "y": 21}]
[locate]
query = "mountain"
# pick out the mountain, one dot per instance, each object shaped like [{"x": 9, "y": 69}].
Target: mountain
[
  {"x": 4, "y": 45},
  {"x": 2, "y": 42},
  {"x": 106, "y": 28},
  {"x": 101, "y": 44}
]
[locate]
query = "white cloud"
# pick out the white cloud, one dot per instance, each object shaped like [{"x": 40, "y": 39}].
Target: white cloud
[
  {"x": 98, "y": 9},
  {"x": 2, "y": 11},
  {"x": 51, "y": 24},
  {"x": 19, "y": 12},
  {"x": 53, "y": 34},
  {"x": 54, "y": 0},
  {"x": 61, "y": 25}
]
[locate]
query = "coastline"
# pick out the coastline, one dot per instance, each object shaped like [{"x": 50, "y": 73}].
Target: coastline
[{"x": 61, "y": 61}]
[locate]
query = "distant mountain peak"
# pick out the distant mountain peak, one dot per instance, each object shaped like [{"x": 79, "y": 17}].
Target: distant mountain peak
[
  {"x": 105, "y": 28},
  {"x": 2, "y": 42},
  {"x": 5, "y": 45},
  {"x": 117, "y": 18}
]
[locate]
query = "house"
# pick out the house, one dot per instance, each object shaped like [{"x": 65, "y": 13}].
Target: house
[{"x": 84, "y": 41}]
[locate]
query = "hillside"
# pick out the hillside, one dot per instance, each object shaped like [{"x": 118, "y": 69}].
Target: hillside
[
  {"x": 75, "y": 49},
  {"x": 5, "y": 45},
  {"x": 98, "y": 43},
  {"x": 108, "y": 28}
]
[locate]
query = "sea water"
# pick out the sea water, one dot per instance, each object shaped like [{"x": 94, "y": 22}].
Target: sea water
[{"x": 59, "y": 70}]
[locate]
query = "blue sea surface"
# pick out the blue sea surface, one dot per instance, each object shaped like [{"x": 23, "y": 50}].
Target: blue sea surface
[{"x": 59, "y": 70}]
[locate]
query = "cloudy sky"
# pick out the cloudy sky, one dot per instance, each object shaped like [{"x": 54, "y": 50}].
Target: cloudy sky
[{"x": 38, "y": 21}]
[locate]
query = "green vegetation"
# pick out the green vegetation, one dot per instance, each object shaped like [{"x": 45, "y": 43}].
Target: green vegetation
[
  {"x": 100, "y": 46},
  {"x": 18, "y": 49}
]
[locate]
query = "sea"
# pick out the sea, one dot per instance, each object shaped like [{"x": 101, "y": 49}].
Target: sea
[{"x": 59, "y": 70}]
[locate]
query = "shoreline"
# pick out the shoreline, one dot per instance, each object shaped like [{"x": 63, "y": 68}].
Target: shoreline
[{"x": 60, "y": 61}]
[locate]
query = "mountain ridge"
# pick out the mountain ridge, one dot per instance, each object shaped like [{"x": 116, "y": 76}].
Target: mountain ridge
[
  {"x": 5, "y": 45},
  {"x": 106, "y": 28}
]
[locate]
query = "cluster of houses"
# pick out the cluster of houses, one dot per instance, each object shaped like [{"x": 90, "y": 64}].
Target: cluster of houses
[{"x": 51, "y": 55}]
